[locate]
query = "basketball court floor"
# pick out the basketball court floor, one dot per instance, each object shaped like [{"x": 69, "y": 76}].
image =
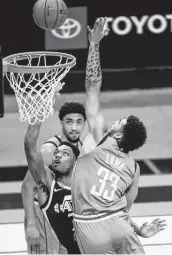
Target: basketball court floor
[{"x": 154, "y": 107}]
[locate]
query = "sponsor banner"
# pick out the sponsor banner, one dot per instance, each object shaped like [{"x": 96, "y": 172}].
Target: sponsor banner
[
  {"x": 155, "y": 24},
  {"x": 136, "y": 40},
  {"x": 72, "y": 34},
  {"x": 140, "y": 35}
]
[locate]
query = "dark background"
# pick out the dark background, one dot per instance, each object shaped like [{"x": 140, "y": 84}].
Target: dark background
[{"x": 19, "y": 33}]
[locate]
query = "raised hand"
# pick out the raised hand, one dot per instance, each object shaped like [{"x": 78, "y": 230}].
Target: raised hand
[
  {"x": 57, "y": 89},
  {"x": 96, "y": 34},
  {"x": 151, "y": 229}
]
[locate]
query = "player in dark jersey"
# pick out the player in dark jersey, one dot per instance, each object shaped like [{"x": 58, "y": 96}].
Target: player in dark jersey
[
  {"x": 105, "y": 181},
  {"x": 59, "y": 213},
  {"x": 54, "y": 195},
  {"x": 38, "y": 232}
]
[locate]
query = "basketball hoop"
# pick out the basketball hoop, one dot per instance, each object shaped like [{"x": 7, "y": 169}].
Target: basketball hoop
[{"x": 35, "y": 77}]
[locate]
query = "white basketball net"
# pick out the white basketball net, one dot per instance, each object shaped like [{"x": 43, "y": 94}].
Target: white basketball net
[{"x": 35, "y": 91}]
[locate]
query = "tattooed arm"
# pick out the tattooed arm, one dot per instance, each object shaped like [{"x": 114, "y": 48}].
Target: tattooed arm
[
  {"x": 35, "y": 162},
  {"x": 93, "y": 81}
]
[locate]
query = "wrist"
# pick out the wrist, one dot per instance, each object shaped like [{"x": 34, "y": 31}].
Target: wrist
[
  {"x": 94, "y": 44},
  {"x": 141, "y": 233},
  {"x": 137, "y": 231}
]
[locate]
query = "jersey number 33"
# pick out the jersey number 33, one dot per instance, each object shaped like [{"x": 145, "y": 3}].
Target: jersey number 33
[{"x": 107, "y": 184}]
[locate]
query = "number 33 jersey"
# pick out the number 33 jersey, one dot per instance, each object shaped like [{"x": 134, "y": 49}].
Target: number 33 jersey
[{"x": 101, "y": 178}]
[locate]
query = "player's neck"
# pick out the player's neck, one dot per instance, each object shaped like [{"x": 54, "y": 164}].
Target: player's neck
[
  {"x": 63, "y": 137},
  {"x": 65, "y": 179}
]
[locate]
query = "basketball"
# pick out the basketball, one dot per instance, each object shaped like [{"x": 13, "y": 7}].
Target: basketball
[{"x": 49, "y": 14}]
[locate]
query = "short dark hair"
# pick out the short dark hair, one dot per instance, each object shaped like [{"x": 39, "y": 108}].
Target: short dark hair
[
  {"x": 72, "y": 107},
  {"x": 134, "y": 134},
  {"x": 73, "y": 147}
]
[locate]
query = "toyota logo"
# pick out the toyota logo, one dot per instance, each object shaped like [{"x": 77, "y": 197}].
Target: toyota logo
[{"x": 71, "y": 28}]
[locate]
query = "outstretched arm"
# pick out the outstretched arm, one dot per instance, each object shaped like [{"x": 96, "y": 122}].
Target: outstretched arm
[
  {"x": 29, "y": 185},
  {"x": 34, "y": 157},
  {"x": 35, "y": 161},
  {"x": 47, "y": 149},
  {"x": 27, "y": 191},
  {"x": 93, "y": 81},
  {"x": 146, "y": 230},
  {"x": 32, "y": 178}
]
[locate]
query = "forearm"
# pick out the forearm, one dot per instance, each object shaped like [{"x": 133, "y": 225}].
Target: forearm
[
  {"x": 92, "y": 85},
  {"x": 93, "y": 69},
  {"x": 130, "y": 201},
  {"x": 32, "y": 134},
  {"x": 93, "y": 82},
  {"x": 33, "y": 154}
]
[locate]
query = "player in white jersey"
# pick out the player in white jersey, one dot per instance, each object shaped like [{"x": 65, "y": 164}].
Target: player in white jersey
[
  {"x": 39, "y": 235},
  {"x": 92, "y": 200}
]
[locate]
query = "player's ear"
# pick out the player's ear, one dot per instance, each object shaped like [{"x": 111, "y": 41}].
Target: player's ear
[
  {"x": 115, "y": 134},
  {"x": 118, "y": 135}
]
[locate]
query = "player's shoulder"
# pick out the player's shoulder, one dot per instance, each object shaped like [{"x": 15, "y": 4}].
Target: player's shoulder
[
  {"x": 52, "y": 143},
  {"x": 88, "y": 144},
  {"x": 55, "y": 140}
]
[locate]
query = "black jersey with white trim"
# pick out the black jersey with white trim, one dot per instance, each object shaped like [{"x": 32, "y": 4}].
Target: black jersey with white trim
[
  {"x": 59, "y": 213},
  {"x": 56, "y": 144},
  {"x": 59, "y": 140}
]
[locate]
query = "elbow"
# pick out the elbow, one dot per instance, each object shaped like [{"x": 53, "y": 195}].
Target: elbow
[{"x": 32, "y": 135}]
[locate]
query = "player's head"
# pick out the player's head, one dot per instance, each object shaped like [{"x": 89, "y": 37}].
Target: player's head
[
  {"x": 64, "y": 158},
  {"x": 130, "y": 133},
  {"x": 72, "y": 116}
]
